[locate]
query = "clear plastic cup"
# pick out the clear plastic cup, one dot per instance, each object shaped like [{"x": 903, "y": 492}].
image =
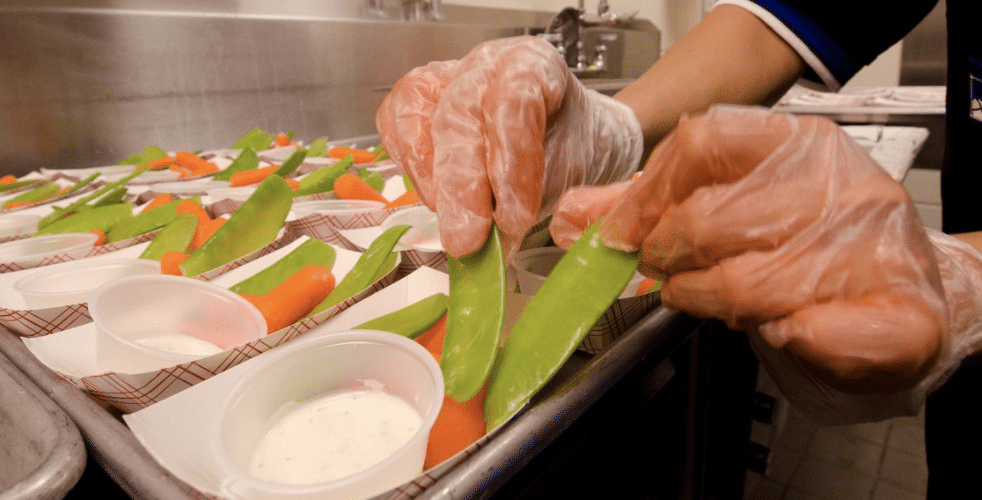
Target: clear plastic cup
[
  {"x": 424, "y": 234},
  {"x": 31, "y": 252},
  {"x": 145, "y": 323},
  {"x": 15, "y": 225},
  {"x": 533, "y": 266},
  {"x": 74, "y": 282},
  {"x": 305, "y": 370},
  {"x": 336, "y": 207}
]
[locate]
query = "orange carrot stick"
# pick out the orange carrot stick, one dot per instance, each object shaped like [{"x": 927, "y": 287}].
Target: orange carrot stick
[
  {"x": 158, "y": 200},
  {"x": 170, "y": 263},
  {"x": 408, "y": 198},
  {"x": 294, "y": 298},
  {"x": 194, "y": 164},
  {"x": 8, "y": 179},
  {"x": 293, "y": 183},
  {"x": 282, "y": 139},
  {"x": 250, "y": 177},
  {"x": 201, "y": 234},
  {"x": 100, "y": 237},
  {"x": 160, "y": 163},
  {"x": 191, "y": 206},
  {"x": 359, "y": 155},
  {"x": 646, "y": 285},
  {"x": 351, "y": 187},
  {"x": 459, "y": 424}
]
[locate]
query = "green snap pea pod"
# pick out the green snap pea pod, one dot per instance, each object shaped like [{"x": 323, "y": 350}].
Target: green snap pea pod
[
  {"x": 90, "y": 219},
  {"x": 372, "y": 264},
  {"x": 149, "y": 153},
  {"x": 406, "y": 181},
  {"x": 380, "y": 153},
  {"x": 81, "y": 184},
  {"x": 247, "y": 160},
  {"x": 254, "y": 225},
  {"x": 585, "y": 282},
  {"x": 39, "y": 193},
  {"x": 312, "y": 251},
  {"x": 11, "y": 186},
  {"x": 373, "y": 179},
  {"x": 322, "y": 179},
  {"x": 111, "y": 198},
  {"x": 412, "y": 320},
  {"x": 475, "y": 318},
  {"x": 143, "y": 222},
  {"x": 256, "y": 139},
  {"x": 176, "y": 236},
  {"x": 81, "y": 202},
  {"x": 292, "y": 163}
]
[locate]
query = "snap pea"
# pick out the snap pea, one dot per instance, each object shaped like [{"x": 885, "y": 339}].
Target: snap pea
[
  {"x": 11, "y": 186},
  {"x": 256, "y": 139},
  {"x": 143, "y": 222},
  {"x": 322, "y": 179},
  {"x": 149, "y": 153},
  {"x": 585, "y": 282},
  {"x": 412, "y": 320},
  {"x": 40, "y": 193},
  {"x": 81, "y": 184},
  {"x": 90, "y": 219},
  {"x": 292, "y": 163},
  {"x": 318, "y": 147},
  {"x": 312, "y": 251},
  {"x": 371, "y": 265},
  {"x": 111, "y": 198},
  {"x": 81, "y": 202},
  {"x": 373, "y": 178},
  {"x": 255, "y": 224},
  {"x": 475, "y": 318},
  {"x": 247, "y": 160},
  {"x": 176, "y": 236}
]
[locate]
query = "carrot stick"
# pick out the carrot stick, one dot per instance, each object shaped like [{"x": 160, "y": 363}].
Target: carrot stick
[
  {"x": 282, "y": 139},
  {"x": 250, "y": 177},
  {"x": 293, "y": 298},
  {"x": 170, "y": 263},
  {"x": 459, "y": 424},
  {"x": 351, "y": 187},
  {"x": 202, "y": 234},
  {"x": 8, "y": 179},
  {"x": 194, "y": 164},
  {"x": 100, "y": 237},
  {"x": 293, "y": 183},
  {"x": 646, "y": 285},
  {"x": 158, "y": 200},
  {"x": 191, "y": 206},
  {"x": 160, "y": 163},
  {"x": 408, "y": 198},
  {"x": 359, "y": 155}
]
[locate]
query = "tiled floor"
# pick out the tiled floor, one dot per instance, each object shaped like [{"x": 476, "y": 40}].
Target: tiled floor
[{"x": 877, "y": 461}]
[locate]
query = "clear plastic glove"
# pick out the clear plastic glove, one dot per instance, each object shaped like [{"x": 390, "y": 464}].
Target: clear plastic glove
[
  {"x": 499, "y": 135},
  {"x": 783, "y": 226}
]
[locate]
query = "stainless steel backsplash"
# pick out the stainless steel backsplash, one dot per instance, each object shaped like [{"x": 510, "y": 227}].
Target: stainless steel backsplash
[{"x": 84, "y": 85}]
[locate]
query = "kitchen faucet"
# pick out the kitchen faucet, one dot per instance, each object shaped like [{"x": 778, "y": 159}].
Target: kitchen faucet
[{"x": 566, "y": 32}]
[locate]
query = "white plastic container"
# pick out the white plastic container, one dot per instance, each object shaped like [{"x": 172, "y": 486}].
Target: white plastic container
[
  {"x": 336, "y": 207},
  {"x": 74, "y": 282},
  {"x": 533, "y": 266},
  {"x": 310, "y": 368},
  {"x": 33, "y": 251},
  {"x": 425, "y": 232},
  {"x": 179, "y": 314},
  {"x": 15, "y": 225}
]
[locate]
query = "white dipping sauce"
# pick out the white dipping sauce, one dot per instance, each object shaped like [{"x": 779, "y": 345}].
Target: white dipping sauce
[
  {"x": 180, "y": 343},
  {"x": 334, "y": 436}
]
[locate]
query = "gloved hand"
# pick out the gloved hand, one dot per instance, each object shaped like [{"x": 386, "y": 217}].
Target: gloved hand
[
  {"x": 783, "y": 226},
  {"x": 500, "y": 134}
]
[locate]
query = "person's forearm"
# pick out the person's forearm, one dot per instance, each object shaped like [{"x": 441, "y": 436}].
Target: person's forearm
[{"x": 729, "y": 57}]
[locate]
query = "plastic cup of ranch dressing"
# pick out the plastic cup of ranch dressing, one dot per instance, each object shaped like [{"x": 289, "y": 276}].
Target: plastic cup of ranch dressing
[
  {"x": 145, "y": 323},
  {"x": 341, "y": 415}
]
